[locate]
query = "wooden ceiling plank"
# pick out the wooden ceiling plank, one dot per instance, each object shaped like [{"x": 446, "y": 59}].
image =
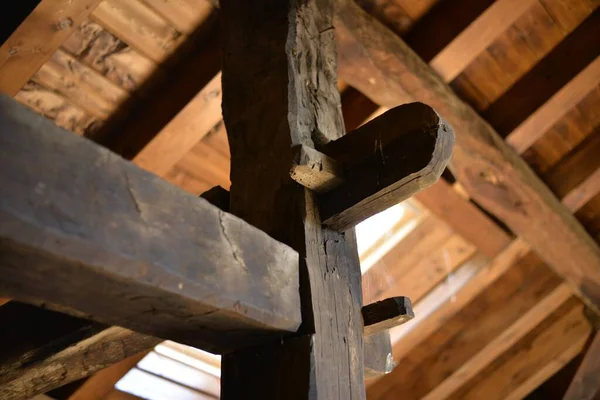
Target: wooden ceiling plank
[
  {"x": 37, "y": 38},
  {"x": 99, "y": 385},
  {"x": 139, "y": 26},
  {"x": 494, "y": 175},
  {"x": 502, "y": 343},
  {"x": 83, "y": 86},
  {"x": 545, "y": 345},
  {"x": 184, "y": 131},
  {"x": 538, "y": 123},
  {"x": 454, "y": 210},
  {"x": 184, "y": 15},
  {"x": 547, "y": 77},
  {"x": 101, "y": 50},
  {"x": 437, "y": 314},
  {"x": 57, "y": 108},
  {"x": 547, "y": 370},
  {"x": 455, "y": 57},
  {"x": 585, "y": 384}
]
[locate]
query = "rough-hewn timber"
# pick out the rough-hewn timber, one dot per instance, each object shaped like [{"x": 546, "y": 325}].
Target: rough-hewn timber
[
  {"x": 285, "y": 54},
  {"x": 108, "y": 234},
  {"x": 381, "y": 65}
]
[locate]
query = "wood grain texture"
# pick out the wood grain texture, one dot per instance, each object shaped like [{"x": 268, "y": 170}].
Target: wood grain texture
[
  {"x": 99, "y": 385},
  {"x": 37, "y": 38},
  {"x": 585, "y": 384},
  {"x": 138, "y": 25},
  {"x": 490, "y": 171},
  {"x": 386, "y": 161},
  {"x": 537, "y": 124},
  {"x": 36, "y": 360},
  {"x": 286, "y": 54},
  {"x": 85, "y": 215},
  {"x": 58, "y": 109},
  {"x": 518, "y": 371},
  {"x": 184, "y": 131},
  {"x": 386, "y": 314},
  {"x": 455, "y": 57},
  {"x": 315, "y": 170},
  {"x": 83, "y": 86},
  {"x": 101, "y": 50},
  {"x": 184, "y": 15},
  {"x": 502, "y": 342}
]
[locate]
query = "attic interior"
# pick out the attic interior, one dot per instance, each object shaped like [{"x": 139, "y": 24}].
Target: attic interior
[{"x": 500, "y": 257}]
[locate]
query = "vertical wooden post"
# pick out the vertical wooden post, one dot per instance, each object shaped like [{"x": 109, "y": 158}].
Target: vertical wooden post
[{"x": 279, "y": 91}]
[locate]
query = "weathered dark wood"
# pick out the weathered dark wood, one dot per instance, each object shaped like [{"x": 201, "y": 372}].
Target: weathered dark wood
[
  {"x": 386, "y": 314},
  {"x": 42, "y": 350},
  {"x": 110, "y": 234},
  {"x": 378, "y": 354},
  {"x": 370, "y": 169},
  {"x": 386, "y": 161},
  {"x": 285, "y": 54},
  {"x": 379, "y": 64},
  {"x": 586, "y": 382}
]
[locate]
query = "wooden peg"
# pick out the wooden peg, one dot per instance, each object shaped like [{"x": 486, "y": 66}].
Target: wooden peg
[{"x": 386, "y": 314}]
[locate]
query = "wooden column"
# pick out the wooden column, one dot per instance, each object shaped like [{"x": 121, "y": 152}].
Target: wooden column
[{"x": 279, "y": 91}]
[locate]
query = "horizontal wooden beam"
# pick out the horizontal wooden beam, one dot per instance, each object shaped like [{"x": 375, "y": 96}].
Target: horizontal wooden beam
[
  {"x": 37, "y": 38},
  {"x": 103, "y": 239},
  {"x": 376, "y": 166},
  {"x": 586, "y": 382},
  {"x": 380, "y": 64},
  {"x": 385, "y": 314}
]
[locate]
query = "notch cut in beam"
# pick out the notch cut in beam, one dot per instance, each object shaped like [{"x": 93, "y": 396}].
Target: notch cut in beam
[
  {"x": 87, "y": 231},
  {"x": 376, "y": 166}
]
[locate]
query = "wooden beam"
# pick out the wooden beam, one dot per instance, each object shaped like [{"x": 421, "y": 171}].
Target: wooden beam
[
  {"x": 279, "y": 90},
  {"x": 386, "y": 314},
  {"x": 379, "y": 172},
  {"x": 478, "y": 36},
  {"x": 502, "y": 343},
  {"x": 377, "y": 63},
  {"x": 538, "y": 123},
  {"x": 99, "y": 385},
  {"x": 585, "y": 384},
  {"x": 35, "y": 360},
  {"x": 37, "y": 38},
  {"x": 188, "y": 270},
  {"x": 434, "y": 313}
]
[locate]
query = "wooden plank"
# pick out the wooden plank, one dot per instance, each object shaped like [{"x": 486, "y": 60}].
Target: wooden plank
[
  {"x": 157, "y": 387},
  {"x": 547, "y": 77},
  {"x": 502, "y": 343},
  {"x": 184, "y": 131},
  {"x": 285, "y": 53},
  {"x": 585, "y": 384},
  {"x": 455, "y": 57},
  {"x": 104, "y": 52},
  {"x": 584, "y": 192},
  {"x": 490, "y": 171},
  {"x": 386, "y": 314},
  {"x": 138, "y": 25},
  {"x": 37, "y": 360},
  {"x": 450, "y": 207},
  {"x": 57, "y": 108},
  {"x": 53, "y": 226},
  {"x": 543, "y": 347},
  {"x": 80, "y": 84},
  {"x": 379, "y": 172},
  {"x": 37, "y": 38},
  {"x": 99, "y": 385},
  {"x": 534, "y": 127},
  {"x": 184, "y": 15}
]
